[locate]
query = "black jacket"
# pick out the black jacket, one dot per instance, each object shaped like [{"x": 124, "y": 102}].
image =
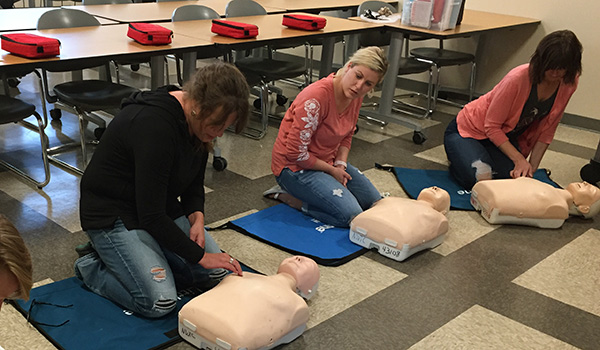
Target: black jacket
[{"x": 148, "y": 171}]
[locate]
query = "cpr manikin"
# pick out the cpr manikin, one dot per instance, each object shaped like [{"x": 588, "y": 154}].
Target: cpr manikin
[
  {"x": 252, "y": 311},
  {"x": 400, "y": 227},
  {"x": 527, "y": 201}
]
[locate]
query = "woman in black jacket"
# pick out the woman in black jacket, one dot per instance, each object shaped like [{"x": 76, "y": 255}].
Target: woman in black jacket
[{"x": 142, "y": 194}]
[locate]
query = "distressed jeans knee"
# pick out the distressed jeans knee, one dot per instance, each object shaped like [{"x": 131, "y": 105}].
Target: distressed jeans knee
[{"x": 483, "y": 171}]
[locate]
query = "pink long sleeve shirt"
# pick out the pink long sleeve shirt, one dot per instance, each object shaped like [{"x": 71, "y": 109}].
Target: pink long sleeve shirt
[
  {"x": 496, "y": 113},
  {"x": 313, "y": 129}
]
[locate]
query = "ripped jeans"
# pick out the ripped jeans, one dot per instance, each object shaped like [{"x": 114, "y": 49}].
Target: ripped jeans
[
  {"x": 130, "y": 268},
  {"x": 469, "y": 158},
  {"x": 327, "y": 200}
]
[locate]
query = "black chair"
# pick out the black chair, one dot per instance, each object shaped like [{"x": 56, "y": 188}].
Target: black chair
[
  {"x": 191, "y": 13},
  {"x": 407, "y": 66},
  {"x": 440, "y": 58},
  {"x": 79, "y": 97},
  {"x": 13, "y": 110},
  {"x": 268, "y": 69}
]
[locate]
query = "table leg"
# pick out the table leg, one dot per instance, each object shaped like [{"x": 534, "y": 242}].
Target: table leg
[
  {"x": 327, "y": 57},
  {"x": 189, "y": 65},
  {"x": 388, "y": 90},
  {"x": 157, "y": 68}
]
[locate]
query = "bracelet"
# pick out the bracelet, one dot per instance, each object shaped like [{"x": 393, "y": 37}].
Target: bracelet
[{"x": 340, "y": 162}]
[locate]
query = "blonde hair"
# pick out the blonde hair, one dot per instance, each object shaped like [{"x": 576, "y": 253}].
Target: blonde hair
[
  {"x": 372, "y": 57},
  {"x": 15, "y": 257}
]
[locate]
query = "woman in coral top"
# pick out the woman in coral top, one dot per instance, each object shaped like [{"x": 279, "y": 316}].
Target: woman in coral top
[
  {"x": 310, "y": 155},
  {"x": 505, "y": 133}
]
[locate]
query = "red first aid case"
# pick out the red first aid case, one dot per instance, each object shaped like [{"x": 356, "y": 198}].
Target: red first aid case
[
  {"x": 149, "y": 34},
  {"x": 305, "y": 22},
  {"x": 30, "y": 45},
  {"x": 232, "y": 29}
]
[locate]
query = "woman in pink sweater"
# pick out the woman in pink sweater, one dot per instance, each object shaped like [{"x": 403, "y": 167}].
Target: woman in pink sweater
[
  {"x": 505, "y": 133},
  {"x": 310, "y": 155}
]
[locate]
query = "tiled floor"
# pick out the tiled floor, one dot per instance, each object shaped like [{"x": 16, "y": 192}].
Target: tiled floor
[{"x": 485, "y": 287}]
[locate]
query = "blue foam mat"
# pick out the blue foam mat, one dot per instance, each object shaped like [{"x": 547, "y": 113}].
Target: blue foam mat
[
  {"x": 290, "y": 230},
  {"x": 97, "y": 323},
  {"x": 415, "y": 180}
]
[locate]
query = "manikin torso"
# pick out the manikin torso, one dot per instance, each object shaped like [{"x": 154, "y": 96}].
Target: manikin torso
[
  {"x": 522, "y": 200},
  {"x": 405, "y": 221},
  {"x": 249, "y": 311}
]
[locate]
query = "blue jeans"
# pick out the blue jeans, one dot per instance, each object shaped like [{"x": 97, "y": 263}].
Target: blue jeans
[
  {"x": 327, "y": 200},
  {"x": 462, "y": 152},
  {"x": 130, "y": 268}
]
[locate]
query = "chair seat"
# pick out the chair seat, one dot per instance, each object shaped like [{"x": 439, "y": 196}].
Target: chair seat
[
  {"x": 93, "y": 95},
  {"x": 442, "y": 57},
  {"x": 412, "y": 66},
  {"x": 14, "y": 110},
  {"x": 270, "y": 69}
]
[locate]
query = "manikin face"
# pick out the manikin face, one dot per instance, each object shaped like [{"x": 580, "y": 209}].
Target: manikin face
[
  {"x": 358, "y": 81},
  {"x": 304, "y": 270},
  {"x": 439, "y": 198},
  {"x": 584, "y": 195},
  {"x": 9, "y": 285}
]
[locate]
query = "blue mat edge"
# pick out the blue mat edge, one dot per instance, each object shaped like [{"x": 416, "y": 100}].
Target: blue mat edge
[{"x": 320, "y": 261}]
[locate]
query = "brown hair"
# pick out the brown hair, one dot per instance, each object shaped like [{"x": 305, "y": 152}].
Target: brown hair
[
  {"x": 557, "y": 50},
  {"x": 15, "y": 257},
  {"x": 220, "y": 88}
]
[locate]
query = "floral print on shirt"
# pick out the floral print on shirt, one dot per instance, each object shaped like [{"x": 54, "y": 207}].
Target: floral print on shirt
[{"x": 312, "y": 108}]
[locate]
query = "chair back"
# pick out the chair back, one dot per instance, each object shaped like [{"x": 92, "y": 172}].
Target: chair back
[
  {"x": 66, "y": 18},
  {"x": 193, "y": 12},
  {"x": 374, "y": 38},
  {"x": 105, "y": 2},
  {"x": 237, "y": 8}
]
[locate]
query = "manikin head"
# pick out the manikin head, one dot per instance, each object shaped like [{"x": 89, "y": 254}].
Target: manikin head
[
  {"x": 306, "y": 273},
  {"x": 437, "y": 197},
  {"x": 586, "y": 198}
]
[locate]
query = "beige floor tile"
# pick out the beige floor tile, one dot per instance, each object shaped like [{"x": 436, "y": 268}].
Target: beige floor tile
[
  {"x": 570, "y": 275},
  {"x": 464, "y": 228},
  {"x": 577, "y": 136},
  {"x": 385, "y": 182},
  {"x": 339, "y": 287},
  {"x": 479, "y": 328},
  {"x": 435, "y": 154}
]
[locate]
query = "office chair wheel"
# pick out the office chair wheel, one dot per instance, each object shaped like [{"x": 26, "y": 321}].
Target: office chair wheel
[
  {"x": 590, "y": 173},
  {"x": 13, "y": 82},
  {"x": 419, "y": 137},
  {"x": 135, "y": 67},
  {"x": 257, "y": 103},
  {"x": 55, "y": 114},
  {"x": 219, "y": 163},
  {"x": 98, "y": 132},
  {"x": 281, "y": 100}
]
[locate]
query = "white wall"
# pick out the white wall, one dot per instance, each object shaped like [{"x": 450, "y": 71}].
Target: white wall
[{"x": 505, "y": 49}]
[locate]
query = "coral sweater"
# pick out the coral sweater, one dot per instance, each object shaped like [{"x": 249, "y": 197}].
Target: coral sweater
[
  {"x": 313, "y": 129},
  {"x": 496, "y": 113}
]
